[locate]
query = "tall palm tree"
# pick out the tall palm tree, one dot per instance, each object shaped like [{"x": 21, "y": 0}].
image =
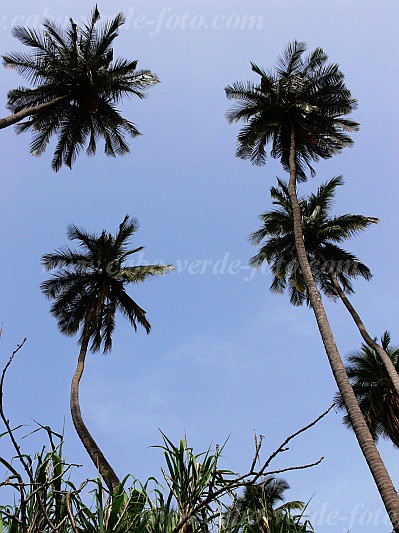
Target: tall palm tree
[
  {"x": 77, "y": 85},
  {"x": 372, "y": 385},
  {"x": 300, "y": 109},
  {"x": 332, "y": 267},
  {"x": 88, "y": 287}
]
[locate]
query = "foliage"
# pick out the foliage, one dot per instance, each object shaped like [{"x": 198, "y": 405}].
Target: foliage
[
  {"x": 256, "y": 510},
  {"x": 322, "y": 235},
  {"x": 304, "y": 94},
  {"x": 88, "y": 285},
  {"x": 52, "y": 502},
  {"x": 192, "y": 497},
  {"x": 279, "y": 521},
  {"x": 76, "y": 66},
  {"x": 377, "y": 397},
  {"x": 192, "y": 491},
  {"x": 196, "y": 494}
]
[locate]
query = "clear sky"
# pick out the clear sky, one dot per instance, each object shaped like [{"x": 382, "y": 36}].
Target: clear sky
[{"x": 225, "y": 357}]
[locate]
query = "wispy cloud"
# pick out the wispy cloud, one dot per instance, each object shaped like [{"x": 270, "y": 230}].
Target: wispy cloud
[{"x": 198, "y": 377}]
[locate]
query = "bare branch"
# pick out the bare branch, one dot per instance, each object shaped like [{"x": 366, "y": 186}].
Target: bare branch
[
  {"x": 4, "y": 418},
  {"x": 302, "y": 467},
  {"x": 10, "y": 432},
  {"x": 282, "y": 447},
  {"x": 251, "y": 477}
]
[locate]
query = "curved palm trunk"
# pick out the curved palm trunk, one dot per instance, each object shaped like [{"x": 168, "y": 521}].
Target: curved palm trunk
[
  {"x": 105, "y": 469},
  {"x": 379, "y": 472},
  {"x": 372, "y": 343},
  {"x": 29, "y": 111}
]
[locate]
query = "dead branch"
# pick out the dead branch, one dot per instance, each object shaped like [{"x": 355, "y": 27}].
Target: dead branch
[
  {"x": 251, "y": 476},
  {"x": 26, "y": 467}
]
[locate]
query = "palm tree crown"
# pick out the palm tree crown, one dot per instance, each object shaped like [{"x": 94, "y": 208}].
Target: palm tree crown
[
  {"x": 373, "y": 388},
  {"x": 321, "y": 232},
  {"x": 303, "y": 94},
  {"x": 262, "y": 509},
  {"x": 88, "y": 286},
  {"x": 75, "y": 68},
  {"x": 267, "y": 496}
]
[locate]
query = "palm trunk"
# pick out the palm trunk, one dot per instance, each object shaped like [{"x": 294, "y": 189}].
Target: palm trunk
[
  {"x": 379, "y": 472},
  {"x": 29, "y": 111},
  {"x": 105, "y": 469},
  {"x": 372, "y": 343}
]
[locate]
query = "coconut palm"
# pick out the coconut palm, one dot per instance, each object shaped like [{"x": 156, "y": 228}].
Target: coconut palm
[
  {"x": 268, "y": 496},
  {"x": 77, "y": 86},
  {"x": 262, "y": 507},
  {"x": 332, "y": 267},
  {"x": 88, "y": 287},
  {"x": 322, "y": 234},
  {"x": 373, "y": 388},
  {"x": 300, "y": 109}
]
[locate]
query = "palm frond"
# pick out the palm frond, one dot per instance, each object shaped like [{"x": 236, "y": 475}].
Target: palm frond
[
  {"x": 291, "y": 60},
  {"x": 64, "y": 258},
  {"x": 138, "y": 274}
]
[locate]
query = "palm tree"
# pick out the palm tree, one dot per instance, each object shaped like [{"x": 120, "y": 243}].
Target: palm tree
[
  {"x": 372, "y": 385},
  {"x": 77, "y": 86},
  {"x": 88, "y": 287},
  {"x": 332, "y": 267},
  {"x": 301, "y": 109},
  {"x": 262, "y": 506}
]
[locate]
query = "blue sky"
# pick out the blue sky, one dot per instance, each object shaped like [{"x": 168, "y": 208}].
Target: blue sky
[{"x": 225, "y": 357}]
